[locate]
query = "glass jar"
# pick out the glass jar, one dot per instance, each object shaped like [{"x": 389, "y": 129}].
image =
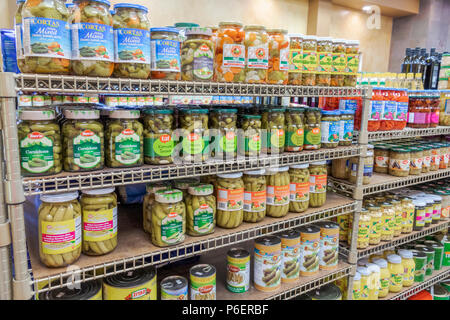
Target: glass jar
[
  {"x": 250, "y": 140},
  {"x": 195, "y": 139},
  {"x": 312, "y": 126},
  {"x": 168, "y": 218},
  {"x": 184, "y": 184},
  {"x": 317, "y": 184},
  {"x": 434, "y": 101},
  {"x": 340, "y": 168},
  {"x": 92, "y": 57},
  {"x": 299, "y": 188},
  {"x": 356, "y": 291},
  {"x": 149, "y": 200},
  {"x": 223, "y": 143},
  {"x": 353, "y": 56},
  {"x": 83, "y": 140},
  {"x": 435, "y": 157},
  {"x": 165, "y": 54},
  {"x": 381, "y": 157},
  {"x": 295, "y": 59},
  {"x": 18, "y": 28},
  {"x": 437, "y": 208},
  {"x": 99, "y": 210},
  {"x": 364, "y": 229},
  {"x": 39, "y": 142},
  {"x": 346, "y": 127},
  {"x": 367, "y": 170},
  {"x": 329, "y": 128},
  {"x": 230, "y": 53},
  {"x": 444, "y": 155},
  {"x": 387, "y": 233},
  {"x": 46, "y": 42},
  {"x": 294, "y": 129},
  {"x": 408, "y": 267},
  {"x": 124, "y": 139},
  {"x": 396, "y": 269},
  {"x": 399, "y": 162},
  {"x": 377, "y": 224},
  {"x": 158, "y": 136},
  {"x": 365, "y": 273},
  {"x": 374, "y": 281},
  {"x": 398, "y": 208},
  {"x": 278, "y": 72},
  {"x": 339, "y": 63},
  {"x": 200, "y": 210},
  {"x": 59, "y": 220},
  {"x": 274, "y": 135},
  {"x": 197, "y": 55},
  {"x": 426, "y": 162},
  {"x": 257, "y": 52},
  {"x": 385, "y": 276},
  {"x": 254, "y": 195},
  {"x": 132, "y": 39},
  {"x": 310, "y": 60},
  {"x": 429, "y": 204},
  {"x": 230, "y": 200},
  {"x": 277, "y": 191},
  {"x": 416, "y": 160},
  {"x": 408, "y": 215},
  {"x": 419, "y": 214},
  {"x": 325, "y": 61},
  {"x": 419, "y": 111},
  {"x": 444, "y": 114}
]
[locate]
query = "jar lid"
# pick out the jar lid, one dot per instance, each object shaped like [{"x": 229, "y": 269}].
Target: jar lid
[
  {"x": 400, "y": 150},
  {"x": 272, "y": 109},
  {"x": 166, "y": 29},
  {"x": 405, "y": 254},
  {"x": 224, "y": 110},
  {"x": 125, "y": 114},
  {"x": 429, "y": 201},
  {"x": 168, "y": 196},
  {"x": 382, "y": 263},
  {"x": 331, "y": 112},
  {"x": 152, "y": 187},
  {"x": 198, "y": 31},
  {"x": 157, "y": 111},
  {"x": 99, "y": 1},
  {"x": 296, "y": 35},
  {"x": 393, "y": 258},
  {"x": 259, "y": 172},
  {"x": 276, "y": 170},
  {"x": 436, "y": 198},
  {"x": 251, "y": 116},
  {"x": 357, "y": 276},
  {"x": 362, "y": 262},
  {"x": 254, "y": 27},
  {"x": 191, "y": 111},
  {"x": 324, "y": 39},
  {"x": 95, "y": 192},
  {"x": 28, "y": 114},
  {"x": 82, "y": 114},
  {"x": 419, "y": 254},
  {"x": 319, "y": 163},
  {"x": 232, "y": 23},
  {"x": 373, "y": 268},
  {"x": 363, "y": 271},
  {"x": 201, "y": 190},
  {"x": 59, "y": 197},
  {"x": 339, "y": 41},
  {"x": 230, "y": 175},
  {"x": 347, "y": 112},
  {"x": 184, "y": 184},
  {"x": 309, "y": 37},
  {"x": 130, "y": 5},
  {"x": 295, "y": 109},
  {"x": 186, "y": 25},
  {"x": 300, "y": 166},
  {"x": 282, "y": 31},
  {"x": 353, "y": 42}
]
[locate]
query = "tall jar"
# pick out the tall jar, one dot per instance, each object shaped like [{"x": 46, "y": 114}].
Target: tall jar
[
  {"x": 329, "y": 128},
  {"x": 408, "y": 267},
  {"x": 377, "y": 224},
  {"x": 132, "y": 40},
  {"x": 419, "y": 214},
  {"x": 124, "y": 139},
  {"x": 250, "y": 140},
  {"x": 46, "y": 41},
  {"x": 435, "y": 157},
  {"x": 387, "y": 233},
  {"x": 299, "y": 188},
  {"x": 39, "y": 142},
  {"x": 325, "y": 61},
  {"x": 278, "y": 72},
  {"x": 364, "y": 229},
  {"x": 364, "y": 273},
  {"x": 158, "y": 136},
  {"x": 352, "y": 51},
  {"x": 165, "y": 49},
  {"x": 426, "y": 162},
  {"x": 277, "y": 191},
  {"x": 346, "y": 127},
  {"x": 149, "y": 200},
  {"x": 59, "y": 220},
  {"x": 339, "y": 63},
  {"x": 83, "y": 140},
  {"x": 224, "y": 141},
  {"x": 408, "y": 215},
  {"x": 197, "y": 55},
  {"x": 294, "y": 129},
  {"x": 257, "y": 54},
  {"x": 99, "y": 209},
  {"x": 195, "y": 137},
  {"x": 396, "y": 269},
  {"x": 230, "y": 200},
  {"x": 230, "y": 53},
  {"x": 416, "y": 160},
  {"x": 317, "y": 184},
  {"x": 254, "y": 195},
  {"x": 273, "y": 125},
  {"x": 398, "y": 208},
  {"x": 92, "y": 56},
  {"x": 385, "y": 276},
  {"x": 200, "y": 210},
  {"x": 18, "y": 28},
  {"x": 295, "y": 59},
  {"x": 312, "y": 126},
  {"x": 310, "y": 61}
]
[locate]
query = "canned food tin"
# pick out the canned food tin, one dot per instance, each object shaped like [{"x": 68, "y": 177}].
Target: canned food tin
[
  {"x": 139, "y": 284},
  {"x": 174, "y": 288},
  {"x": 90, "y": 290},
  {"x": 326, "y": 292},
  {"x": 329, "y": 245},
  {"x": 438, "y": 253},
  {"x": 429, "y": 251},
  {"x": 238, "y": 270},
  {"x": 309, "y": 250},
  {"x": 203, "y": 282},
  {"x": 290, "y": 252},
  {"x": 440, "y": 293},
  {"x": 267, "y": 263}
]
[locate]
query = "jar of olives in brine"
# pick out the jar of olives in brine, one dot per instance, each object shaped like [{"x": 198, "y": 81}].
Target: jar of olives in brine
[
  {"x": 274, "y": 135},
  {"x": 223, "y": 143},
  {"x": 310, "y": 60},
  {"x": 339, "y": 63},
  {"x": 92, "y": 56},
  {"x": 39, "y": 142},
  {"x": 329, "y": 128},
  {"x": 158, "y": 136},
  {"x": 250, "y": 141},
  {"x": 312, "y": 125},
  {"x": 299, "y": 188},
  {"x": 195, "y": 138},
  {"x": 254, "y": 195},
  {"x": 325, "y": 61},
  {"x": 294, "y": 129},
  {"x": 197, "y": 55},
  {"x": 296, "y": 59},
  {"x": 352, "y": 51},
  {"x": 132, "y": 39},
  {"x": 317, "y": 184},
  {"x": 165, "y": 53},
  {"x": 257, "y": 47}
]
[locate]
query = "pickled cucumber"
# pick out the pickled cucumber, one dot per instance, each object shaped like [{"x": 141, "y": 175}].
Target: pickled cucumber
[
  {"x": 230, "y": 200},
  {"x": 318, "y": 179},
  {"x": 277, "y": 180},
  {"x": 255, "y": 190},
  {"x": 299, "y": 180},
  {"x": 200, "y": 210}
]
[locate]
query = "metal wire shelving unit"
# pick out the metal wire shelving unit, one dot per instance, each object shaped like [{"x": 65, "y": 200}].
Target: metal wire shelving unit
[{"x": 405, "y": 133}]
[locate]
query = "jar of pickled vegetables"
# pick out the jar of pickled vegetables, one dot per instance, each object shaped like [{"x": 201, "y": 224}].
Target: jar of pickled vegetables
[
  {"x": 416, "y": 160},
  {"x": 197, "y": 55},
  {"x": 294, "y": 129},
  {"x": 132, "y": 39},
  {"x": 398, "y": 208},
  {"x": 381, "y": 159},
  {"x": 419, "y": 214},
  {"x": 377, "y": 223},
  {"x": 195, "y": 138},
  {"x": 429, "y": 204},
  {"x": 223, "y": 143},
  {"x": 257, "y": 52},
  {"x": 310, "y": 61},
  {"x": 230, "y": 53},
  {"x": 158, "y": 136},
  {"x": 399, "y": 162},
  {"x": 230, "y": 200},
  {"x": 277, "y": 191},
  {"x": 408, "y": 215},
  {"x": 92, "y": 56},
  {"x": 346, "y": 127},
  {"x": 299, "y": 188},
  {"x": 165, "y": 49},
  {"x": 339, "y": 63},
  {"x": 396, "y": 269},
  {"x": 325, "y": 61},
  {"x": 387, "y": 233},
  {"x": 317, "y": 184},
  {"x": 352, "y": 52},
  {"x": 278, "y": 72},
  {"x": 444, "y": 113},
  {"x": 250, "y": 140},
  {"x": 426, "y": 160},
  {"x": 364, "y": 229},
  {"x": 200, "y": 210},
  {"x": 312, "y": 125},
  {"x": 46, "y": 42},
  {"x": 254, "y": 195},
  {"x": 329, "y": 128},
  {"x": 295, "y": 59},
  {"x": 274, "y": 134}
]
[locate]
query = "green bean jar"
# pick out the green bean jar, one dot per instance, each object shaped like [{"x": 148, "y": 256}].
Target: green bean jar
[
  {"x": 39, "y": 142},
  {"x": 124, "y": 139},
  {"x": 294, "y": 129},
  {"x": 250, "y": 139},
  {"x": 200, "y": 210},
  {"x": 224, "y": 140},
  {"x": 329, "y": 128},
  {"x": 312, "y": 126},
  {"x": 254, "y": 195},
  {"x": 83, "y": 140},
  {"x": 195, "y": 138},
  {"x": 46, "y": 33},
  {"x": 197, "y": 55},
  {"x": 277, "y": 191},
  {"x": 299, "y": 188},
  {"x": 132, "y": 40},
  {"x": 158, "y": 136},
  {"x": 165, "y": 49},
  {"x": 274, "y": 135},
  {"x": 230, "y": 200},
  {"x": 317, "y": 184},
  {"x": 92, "y": 56}
]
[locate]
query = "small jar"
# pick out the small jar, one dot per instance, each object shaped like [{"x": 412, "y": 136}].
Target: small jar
[
  {"x": 299, "y": 188},
  {"x": 339, "y": 63},
  {"x": 429, "y": 204},
  {"x": 416, "y": 160},
  {"x": 158, "y": 136},
  {"x": 365, "y": 273},
  {"x": 165, "y": 54},
  {"x": 295, "y": 59},
  {"x": 385, "y": 276},
  {"x": 184, "y": 184},
  {"x": 277, "y": 191},
  {"x": 408, "y": 267},
  {"x": 230, "y": 200},
  {"x": 444, "y": 155},
  {"x": 419, "y": 214},
  {"x": 278, "y": 72},
  {"x": 352, "y": 51},
  {"x": 230, "y": 53},
  {"x": 250, "y": 140},
  {"x": 317, "y": 184},
  {"x": 408, "y": 215},
  {"x": 426, "y": 162},
  {"x": 200, "y": 210},
  {"x": 310, "y": 60},
  {"x": 398, "y": 208},
  {"x": 396, "y": 269},
  {"x": 255, "y": 194},
  {"x": 197, "y": 55},
  {"x": 274, "y": 134},
  {"x": 381, "y": 157},
  {"x": 377, "y": 224},
  {"x": 419, "y": 111},
  {"x": 294, "y": 129},
  {"x": 346, "y": 127},
  {"x": 387, "y": 234},
  {"x": 330, "y": 127},
  {"x": 312, "y": 127},
  {"x": 437, "y": 208},
  {"x": 434, "y": 101},
  {"x": 325, "y": 61},
  {"x": 399, "y": 162},
  {"x": 223, "y": 143},
  {"x": 364, "y": 229},
  {"x": 195, "y": 139},
  {"x": 256, "y": 43}
]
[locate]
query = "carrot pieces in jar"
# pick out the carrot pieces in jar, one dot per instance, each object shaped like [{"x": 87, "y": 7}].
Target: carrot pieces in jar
[
  {"x": 257, "y": 47},
  {"x": 278, "y": 72},
  {"x": 230, "y": 53}
]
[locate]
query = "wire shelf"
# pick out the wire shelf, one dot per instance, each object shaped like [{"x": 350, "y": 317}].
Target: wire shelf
[{"x": 405, "y": 133}]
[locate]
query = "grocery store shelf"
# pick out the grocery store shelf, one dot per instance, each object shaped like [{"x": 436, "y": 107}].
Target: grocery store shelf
[
  {"x": 384, "y": 182},
  {"x": 108, "y": 177},
  {"x": 405, "y": 133},
  {"x": 72, "y": 84},
  {"x": 135, "y": 250},
  {"x": 397, "y": 241},
  {"x": 407, "y": 292}
]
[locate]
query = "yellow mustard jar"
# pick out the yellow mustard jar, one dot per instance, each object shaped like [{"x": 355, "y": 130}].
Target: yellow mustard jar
[
  {"x": 387, "y": 233},
  {"x": 396, "y": 270},
  {"x": 365, "y": 273},
  {"x": 374, "y": 281},
  {"x": 398, "y": 219},
  {"x": 408, "y": 215},
  {"x": 356, "y": 291},
  {"x": 385, "y": 276},
  {"x": 409, "y": 267},
  {"x": 376, "y": 221}
]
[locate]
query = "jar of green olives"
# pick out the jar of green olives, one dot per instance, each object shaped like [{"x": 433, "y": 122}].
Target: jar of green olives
[
  {"x": 353, "y": 58},
  {"x": 274, "y": 135},
  {"x": 294, "y": 129},
  {"x": 325, "y": 61},
  {"x": 158, "y": 136},
  {"x": 310, "y": 60},
  {"x": 299, "y": 188},
  {"x": 317, "y": 184},
  {"x": 195, "y": 138},
  {"x": 223, "y": 143},
  {"x": 312, "y": 126},
  {"x": 339, "y": 63},
  {"x": 250, "y": 140},
  {"x": 295, "y": 59}
]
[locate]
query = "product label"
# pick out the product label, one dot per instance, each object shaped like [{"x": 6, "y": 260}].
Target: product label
[
  {"x": 132, "y": 45},
  {"x": 277, "y": 195},
  {"x": 356, "y": 293},
  {"x": 408, "y": 274},
  {"x": 128, "y": 147},
  {"x": 203, "y": 219},
  {"x": 145, "y": 292},
  {"x": 299, "y": 192},
  {"x": 290, "y": 261},
  {"x": 44, "y": 37},
  {"x": 318, "y": 183},
  {"x": 194, "y": 143},
  {"x": 36, "y": 153},
  {"x": 295, "y": 60},
  {"x": 347, "y": 104},
  {"x": 435, "y": 160},
  {"x": 172, "y": 228},
  {"x": 99, "y": 225},
  {"x": 228, "y": 142},
  {"x": 258, "y": 57},
  {"x": 416, "y": 163},
  {"x": 417, "y": 117},
  {"x": 376, "y": 109},
  {"x": 19, "y": 40},
  {"x": 159, "y": 147},
  {"x": 203, "y": 288},
  {"x": 284, "y": 60},
  {"x": 396, "y": 279},
  {"x": 252, "y": 143},
  {"x": 92, "y": 41},
  {"x": 325, "y": 62},
  {"x": 330, "y": 131},
  {"x": 267, "y": 269},
  {"x": 420, "y": 218},
  {"x": 363, "y": 229},
  {"x": 310, "y": 61},
  {"x": 309, "y": 254},
  {"x": 165, "y": 55},
  {"x": 234, "y": 55},
  {"x": 346, "y": 130},
  {"x": 390, "y": 108},
  {"x": 329, "y": 243},
  {"x": 339, "y": 63},
  {"x": 238, "y": 274},
  {"x": 352, "y": 64},
  {"x": 230, "y": 200},
  {"x": 381, "y": 162},
  {"x": 402, "y": 165},
  {"x": 172, "y": 294},
  {"x": 87, "y": 150},
  {"x": 275, "y": 138},
  {"x": 367, "y": 170},
  {"x": 255, "y": 201},
  {"x": 61, "y": 237},
  {"x": 203, "y": 62},
  {"x": 295, "y": 138},
  {"x": 312, "y": 136},
  {"x": 401, "y": 112}
]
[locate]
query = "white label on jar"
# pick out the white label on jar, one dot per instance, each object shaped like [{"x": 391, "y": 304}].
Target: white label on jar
[
  {"x": 416, "y": 163},
  {"x": 258, "y": 57},
  {"x": 234, "y": 55},
  {"x": 426, "y": 161},
  {"x": 284, "y": 59},
  {"x": 396, "y": 164},
  {"x": 381, "y": 161}
]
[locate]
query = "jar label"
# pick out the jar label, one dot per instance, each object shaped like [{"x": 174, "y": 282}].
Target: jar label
[
  {"x": 310, "y": 61},
  {"x": 420, "y": 218},
  {"x": 348, "y": 104},
  {"x": 204, "y": 219},
  {"x": 352, "y": 64},
  {"x": 99, "y": 225},
  {"x": 230, "y": 200},
  {"x": 87, "y": 149},
  {"x": 318, "y": 183},
  {"x": 258, "y": 57},
  {"x": 312, "y": 136},
  {"x": 277, "y": 195},
  {"x": 390, "y": 108},
  {"x": 368, "y": 170},
  {"x": 356, "y": 294},
  {"x": 44, "y": 37},
  {"x": 276, "y": 138},
  {"x": 330, "y": 131},
  {"x": 384, "y": 283},
  {"x": 61, "y": 237},
  {"x": 397, "y": 164},
  {"x": 252, "y": 143},
  {"x": 376, "y": 227},
  {"x": 435, "y": 160},
  {"x": 159, "y": 147},
  {"x": 165, "y": 55},
  {"x": 203, "y": 62},
  {"x": 416, "y": 163},
  {"x": 172, "y": 228},
  {"x": 295, "y": 138},
  {"x": 401, "y": 112},
  {"x": 234, "y": 55},
  {"x": 447, "y": 106},
  {"x": 376, "y": 109},
  {"x": 132, "y": 45},
  {"x": 36, "y": 153},
  {"x": 284, "y": 59},
  {"x": 228, "y": 142},
  {"x": 408, "y": 274},
  {"x": 194, "y": 144},
  {"x": 128, "y": 147},
  {"x": 417, "y": 117},
  {"x": 238, "y": 274},
  {"x": 346, "y": 130},
  {"x": 329, "y": 247},
  {"x": 309, "y": 255},
  {"x": 295, "y": 60},
  {"x": 92, "y": 41},
  {"x": 363, "y": 229},
  {"x": 339, "y": 63},
  {"x": 396, "y": 279},
  {"x": 299, "y": 192},
  {"x": 325, "y": 62},
  {"x": 381, "y": 162},
  {"x": 290, "y": 261},
  {"x": 255, "y": 201}
]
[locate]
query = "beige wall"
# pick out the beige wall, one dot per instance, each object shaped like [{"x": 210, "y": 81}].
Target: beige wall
[{"x": 7, "y": 11}]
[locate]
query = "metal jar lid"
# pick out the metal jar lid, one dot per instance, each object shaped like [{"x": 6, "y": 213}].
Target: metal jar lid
[
  {"x": 131, "y": 279},
  {"x": 238, "y": 253},
  {"x": 268, "y": 241},
  {"x": 86, "y": 291},
  {"x": 174, "y": 283},
  {"x": 202, "y": 270}
]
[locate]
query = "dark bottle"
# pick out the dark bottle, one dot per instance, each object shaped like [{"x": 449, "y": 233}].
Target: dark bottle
[
  {"x": 415, "y": 61},
  {"x": 432, "y": 70},
  {"x": 406, "y": 64},
  {"x": 423, "y": 63}
]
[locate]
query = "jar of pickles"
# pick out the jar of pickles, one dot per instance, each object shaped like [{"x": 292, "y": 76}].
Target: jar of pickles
[
  {"x": 230, "y": 200},
  {"x": 295, "y": 59},
  {"x": 273, "y": 125},
  {"x": 352, "y": 52},
  {"x": 387, "y": 233},
  {"x": 165, "y": 53},
  {"x": 250, "y": 140},
  {"x": 398, "y": 208},
  {"x": 200, "y": 210},
  {"x": 230, "y": 53},
  {"x": 254, "y": 195},
  {"x": 223, "y": 143},
  {"x": 312, "y": 125},
  {"x": 158, "y": 136},
  {"x": 278, "y": 72},
  {"x": 325, "y": 61},
  {"x": 197, "y": 55},
  {"x": 317, "y": 184},
  {"x": 408, "y": 215},
  {"x": 299, "y": 188},
  {"x": 149, "y": 200},
  {"x": 435, "y": 157},
  {"x": 339, "y": 63},
  {"x": 310, "y": 60},
  {"x": 294, "y": 129},
  {"x": 195, "y": 138},
  {"x": 377, "y": 224},
  {"x": 277, "y": 191},
  {"x": 257, "y": 47}
]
